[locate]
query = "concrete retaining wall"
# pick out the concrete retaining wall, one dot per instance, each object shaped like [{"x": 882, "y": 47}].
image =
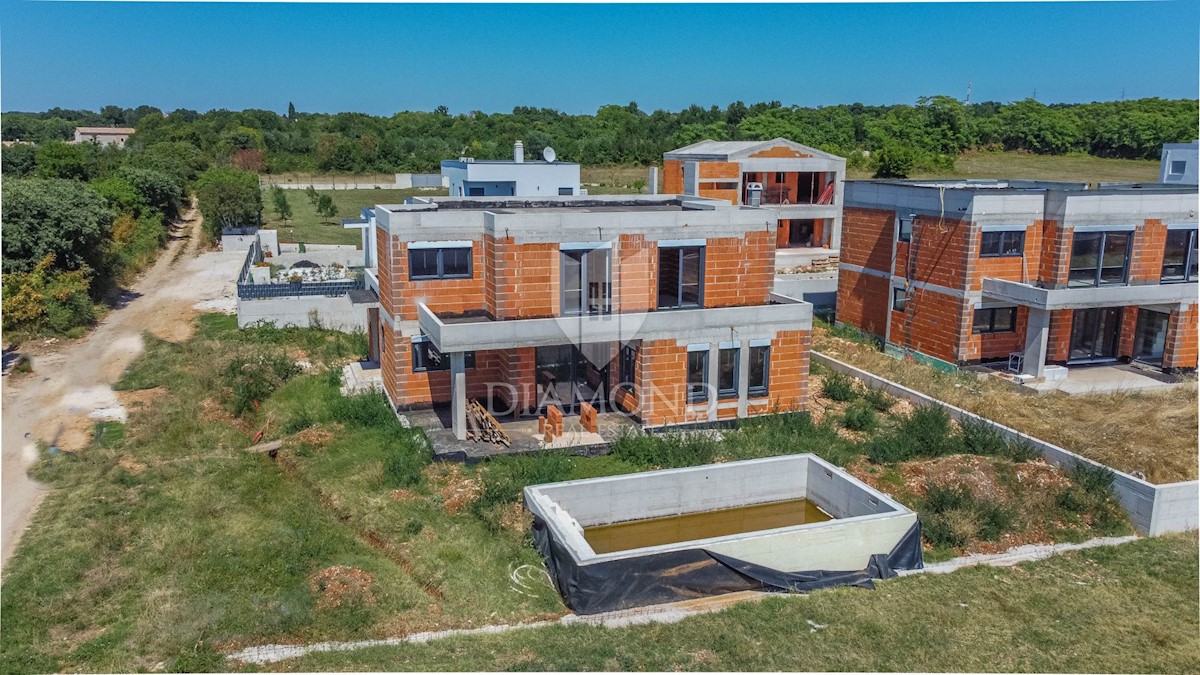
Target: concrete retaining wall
[
  {"x": 1153, "y": 509},
  {"x": 337, "y": 313}
]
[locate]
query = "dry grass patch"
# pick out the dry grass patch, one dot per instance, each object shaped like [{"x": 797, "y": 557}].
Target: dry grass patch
[{"x": 1152, "y": 432}]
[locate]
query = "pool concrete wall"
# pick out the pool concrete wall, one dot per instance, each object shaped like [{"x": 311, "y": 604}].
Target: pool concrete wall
[{"x": 866, "y": 522}]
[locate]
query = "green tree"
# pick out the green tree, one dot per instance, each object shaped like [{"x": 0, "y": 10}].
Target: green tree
[
  {"x": 893, "y": 161},
  {"x": 291, "y": 113},
  {"x": 74, "y": 161},
  {"x": 282, "y": 207},
  {"x": 228, "y": 198},
  {"x": 326, "y": 206},
  {"x": 311, "y": 193},
  {"x": 120, "y": 195},
  {"x": 53, "y": 217},
  {"x": 18, "y": 160},
  {"x": 157, "y": 189}
]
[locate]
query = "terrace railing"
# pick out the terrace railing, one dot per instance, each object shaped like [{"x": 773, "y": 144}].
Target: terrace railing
[{"x": 247, "y": 290}]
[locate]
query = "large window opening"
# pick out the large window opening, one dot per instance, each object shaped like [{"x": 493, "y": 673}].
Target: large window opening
[
  {"x": 427, "y": 359},
  {"x": 1150, "y": 337},
  {"x": 1099, "y": 259},
  {"x": 586, "y": 285},
  {"x": 1180, "y": 256},
  {"x": 439, "y": 263},
  {"x": 680, "y": 276},
  {"x": 1002, "y": 244},
  {"x": 995, "y": 320},
  {"x": 1094, "y": 334}
]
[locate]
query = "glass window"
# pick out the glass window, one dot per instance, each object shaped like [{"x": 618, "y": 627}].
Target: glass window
[
  {"x": 1099, "y": 258},
  {"x": 727, "y": 373},
  {"x": 566, "y": 191},
  {"x": 585, "y": 281},
  {"x": 427, "y": 358},
  {"x": 627, "y": 366},
  {"x": 899, "y": 299},
  {"x": 904, "y": 232},
  {"x": 697, "y": 376},
  {"x": 439, "y": 263},
  {"x": 1178, "y": 167},
  {"x": 995, "y": 320},
  {"x": 760, "y": 366},
  {"x": 680, "y": 276},
  {"x": 1179, "y": 258},
  {"x": 998, "y": 244},
  {"x": 780, "y": 177}
]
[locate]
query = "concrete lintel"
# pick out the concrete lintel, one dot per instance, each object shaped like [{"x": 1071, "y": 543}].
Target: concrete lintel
[
  {"x": 1018, "y": 293},
  {"x": 697, "y": 325}
]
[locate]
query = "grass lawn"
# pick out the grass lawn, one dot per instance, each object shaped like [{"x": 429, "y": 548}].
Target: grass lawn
[
  {"x": 1152, "y": 432},
  {"x": 310, "y": 228},
  {"x": 1130, "y": 608},
  {"x": 1078, "y": 168},
  {"x": 166, "y": 544}
]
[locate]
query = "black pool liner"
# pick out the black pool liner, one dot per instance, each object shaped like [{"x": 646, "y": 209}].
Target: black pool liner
[{"x": 692, "y": 573}]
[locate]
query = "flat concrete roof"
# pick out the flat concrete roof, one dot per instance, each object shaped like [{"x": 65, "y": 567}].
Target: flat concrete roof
[
  {"x": 459, "y": 163},
  {"x": 564, "y": 204},
  {"x": 1022, "y": 185}
]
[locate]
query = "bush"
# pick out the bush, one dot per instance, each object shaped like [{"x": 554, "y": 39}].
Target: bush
[
  {"x": 839, "y": 387},
  {"x": 894, "y": 161},
  {"x": 926, "y": 433},
  {"x": 954, "y": 516},
  {"x": 254, "y": 378},
  {"x": 1093, "y": 479},
  {"x": 505, "y": 478},
  {"x": 47, "y": 299},
  {"x": 860, "y": 416},
  {"x": 878, "y": 399},
  {"x": 791, "y": 433}
]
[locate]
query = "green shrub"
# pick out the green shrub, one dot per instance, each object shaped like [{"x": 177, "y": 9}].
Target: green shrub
[
  {"x": 878, "y": 399},
  {"x": 954, "y": 516},
  {"x": 668, "y": 450},
  {"x": 788, "y": 433},
  {"x": 505, "y": 478},
  {"x": 926, "y": 433},
  {"x": 301, "y": 420},
  {"x": 370, "y": 409},
  {"x": 839, "y": 387},
  {"x": 981, "y": 438},
  {"x": 860, "y": 416},
  {"x": 254, "y": 378},
  {"x": 1093, "y": 479}
]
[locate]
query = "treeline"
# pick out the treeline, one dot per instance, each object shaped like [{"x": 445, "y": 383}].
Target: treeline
[
  {"x": 928, "y": 135},
  {"x": 79, "y": 220}
]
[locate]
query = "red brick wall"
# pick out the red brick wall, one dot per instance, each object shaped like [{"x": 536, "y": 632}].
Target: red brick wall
[
  {"x": 1181, "y": 347},
  {"x": 863, "y": 301},
  {"x": 867, "y": 237},
  {"x": 739, "y": 271},
  {"x": 997, "y": 345},
  {"x": 1055, "y": 254},
  {"x": 662, "y": 382},
  {"x": 1058, "y": 343},
  {"x": 937, "y": 324},
  {"x": 526, "y": 280},
  {"x": 635, "y": 274},
  {"x": 672, "y": 177},
  {"x": 444, "y": 296},
  {"x": 787, "y": 387},
  {"x": 1023, "y": 269},
  {"x": 1149, "y": 245}
]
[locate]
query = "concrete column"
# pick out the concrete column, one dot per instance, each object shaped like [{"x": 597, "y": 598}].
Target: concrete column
[
  {"x": 652, "y": 184},
  {"x": 458, "y": 394},
  {"x": 1037, "y": 337},
  {"x": 743, "y": 383},
  {"x": 714, "y": 356}
]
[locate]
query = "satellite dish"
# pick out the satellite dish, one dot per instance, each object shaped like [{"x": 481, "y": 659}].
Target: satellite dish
[{"x": 548, "y": 154}]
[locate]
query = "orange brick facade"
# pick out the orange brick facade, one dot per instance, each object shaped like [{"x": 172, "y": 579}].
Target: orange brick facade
[
  {"x": 943, "y": 272},
  {"x": 514, "y": 280}
]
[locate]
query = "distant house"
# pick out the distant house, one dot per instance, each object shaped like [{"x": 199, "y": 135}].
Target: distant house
[
  {"x": 1179, "y": 163},
  {"x": 516, "y": 177},
  {"x": 104, "y": 135}
]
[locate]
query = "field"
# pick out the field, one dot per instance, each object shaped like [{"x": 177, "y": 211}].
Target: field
[
  {"x": 310, "y": 228},
  {"x": 1152, "y": 432},
  {"x": 165, "y": 544},
  {"x": 1078, "y": 168}
]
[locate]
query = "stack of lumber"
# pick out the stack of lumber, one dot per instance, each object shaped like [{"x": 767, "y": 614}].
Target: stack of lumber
[{"x": 481, "y": 426}]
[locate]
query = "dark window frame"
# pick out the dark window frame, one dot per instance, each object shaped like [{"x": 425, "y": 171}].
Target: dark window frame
[
  {"x": 780, "y": 177},
  {"x": 1181, "y": 163},
  {"x": 584, "y": 254},
  {"x": 697, "y": 392},
  {"x": 1003, "y": 243},
  {"x": 1189, "y": 259},
  {"x": 989, "y": 327},
  {"x": 681, "y": 251},
  {"x": 759, "y": 390},
  {"x": 627, "y": 366},
  {"x": 903, "y": 301},
  {"x": 725, "y": 393},
  {"x": 903, "y": 235},
  {"x": 420, "y": 355},
  {"x": 1097, "y": 279},
  {"x": 441, "y": 263}
]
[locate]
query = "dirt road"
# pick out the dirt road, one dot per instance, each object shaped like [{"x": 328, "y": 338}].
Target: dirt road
[{"x": 71, "y": 384}]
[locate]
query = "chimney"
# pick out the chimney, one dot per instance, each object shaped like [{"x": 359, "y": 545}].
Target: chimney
[{"x": 518, "y": 152}]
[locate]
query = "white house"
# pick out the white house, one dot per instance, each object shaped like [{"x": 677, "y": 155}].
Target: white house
[
  {"x": 104, "y": 135},
  {"x": 516, "y": 177},
  {"x": 1179, "y": 163}
]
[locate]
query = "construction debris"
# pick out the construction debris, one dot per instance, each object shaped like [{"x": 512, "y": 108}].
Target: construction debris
[{"x": 481, "y": 426}]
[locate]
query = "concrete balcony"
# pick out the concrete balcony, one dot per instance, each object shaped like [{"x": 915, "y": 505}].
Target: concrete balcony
[
  {"x": 461, "y": 334},
  {"x": 1017, "y": 293}
]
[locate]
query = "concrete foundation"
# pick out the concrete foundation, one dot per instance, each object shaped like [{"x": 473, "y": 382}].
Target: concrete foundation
[
  {"x": 338, "y": 312},
  {"x": 865, "y": 521}
]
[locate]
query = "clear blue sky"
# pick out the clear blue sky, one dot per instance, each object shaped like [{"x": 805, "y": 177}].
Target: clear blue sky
[{"x": 379, "y": 59}]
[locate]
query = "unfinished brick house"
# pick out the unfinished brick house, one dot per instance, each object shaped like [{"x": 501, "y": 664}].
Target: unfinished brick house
[
  {"x": 1037, "y": 275},
  {"x": 658, "y": 306},
  {"x": 802, "y": 183}
]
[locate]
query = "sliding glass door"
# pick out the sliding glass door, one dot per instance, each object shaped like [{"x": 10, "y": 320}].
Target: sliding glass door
[{"x": 1094, "y": 334}]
